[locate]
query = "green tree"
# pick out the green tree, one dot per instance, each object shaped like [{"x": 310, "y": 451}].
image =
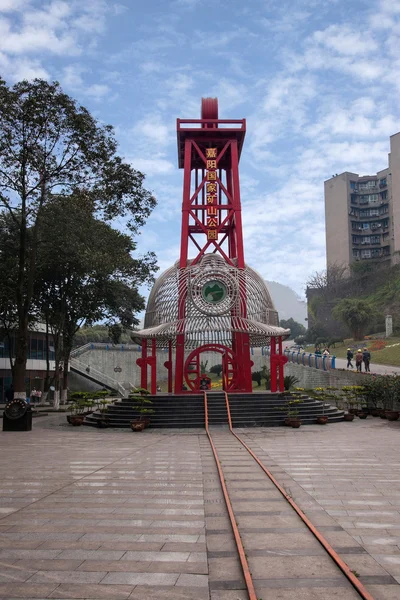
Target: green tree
[
  {"x": 217, "y": 369},
  {"x": 296, "y": 328},
  {"x": 85, "y": 273},
  {"x": 50, "y": 144},
  {"x": 356, "y": 314}
]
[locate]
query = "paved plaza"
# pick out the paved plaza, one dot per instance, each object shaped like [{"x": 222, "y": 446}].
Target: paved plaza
[{"x": 87, "y": 513}]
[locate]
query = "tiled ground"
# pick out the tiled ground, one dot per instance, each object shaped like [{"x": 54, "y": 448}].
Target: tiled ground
[{"x": 109, "y": 514}]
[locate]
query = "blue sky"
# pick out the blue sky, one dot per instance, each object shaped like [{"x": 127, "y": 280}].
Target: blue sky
[{"x": 318, "y": 82}]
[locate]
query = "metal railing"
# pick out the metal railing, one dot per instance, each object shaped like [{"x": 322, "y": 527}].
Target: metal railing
[
  {"x": 100, "y": 346},
  {"x": 100, "y": 376},
  {"x": 307, "y": 359}
]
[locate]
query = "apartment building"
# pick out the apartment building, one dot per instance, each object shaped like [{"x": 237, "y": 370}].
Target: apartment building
[{"x": 362, "y": 214}]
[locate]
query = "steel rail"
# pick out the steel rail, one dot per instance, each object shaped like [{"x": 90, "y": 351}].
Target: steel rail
[
  {"x": 358, "y": 586},
  {"x": 239, "y": 544}
]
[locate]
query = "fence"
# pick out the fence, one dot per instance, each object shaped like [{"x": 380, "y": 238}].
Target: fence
[{"x": 318, "y": 361}]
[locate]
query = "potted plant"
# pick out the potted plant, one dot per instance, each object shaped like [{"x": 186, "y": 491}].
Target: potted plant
[
  {"x": 76, "y": 418},
  {"x": 293, "y": 418},
  {"x": 292, "y": 413},
  {"x": 141, "y": 404},
  {"x": 103, "y": 421},
  {"x": 348, "y": 417}
]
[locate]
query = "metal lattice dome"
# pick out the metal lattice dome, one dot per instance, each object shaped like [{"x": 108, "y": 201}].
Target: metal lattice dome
[{"x": 214, "y": 305}]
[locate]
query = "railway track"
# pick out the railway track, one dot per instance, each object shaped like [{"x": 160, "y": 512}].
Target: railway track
[{"x": 227, "y": 448}]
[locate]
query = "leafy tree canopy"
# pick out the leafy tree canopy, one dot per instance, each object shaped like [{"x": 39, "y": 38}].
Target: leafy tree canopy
[
  {"x": 296, "y": 328},
  {"x": 356, "y": 314}
]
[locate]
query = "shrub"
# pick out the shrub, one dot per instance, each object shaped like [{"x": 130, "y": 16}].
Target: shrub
[{"x": 289, "y": 381}]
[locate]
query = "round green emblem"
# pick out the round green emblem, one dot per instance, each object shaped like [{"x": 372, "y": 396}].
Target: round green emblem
[{"x": 214, "y": 292}]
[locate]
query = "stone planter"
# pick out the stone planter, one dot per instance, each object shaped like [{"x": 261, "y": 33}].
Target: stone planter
[
  {"x": 392, "y": 415},
  {"x": 137, "y": 425},
  {"x": 362, "y": 415},
  {"x": 76, "y": 420},
  {"x": 322, "y": 420},
  {"x": 348, "y": 417}
]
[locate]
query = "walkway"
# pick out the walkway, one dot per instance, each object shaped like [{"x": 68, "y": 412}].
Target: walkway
[
  {"x": 110, "y": 514},
  {"x": 341, "y": 363}
]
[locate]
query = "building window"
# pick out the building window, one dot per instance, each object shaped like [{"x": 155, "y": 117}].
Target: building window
[
  {"x": 356, "y": 253},
  {"x": 383, "y": 182},
  {"x": 384, "y": 195},
  {"x": 365, "y": 253},
  {"x": 353, "y": 198},
  {"x": 375, "y": 253},
  {"x": 375, "y": 239},
  {"x": 365, "y": 225},
  {"x": 355, "y": 239},
  {"x": 366, "y": 239},
  {"x": 33, "y": 352},
  {"x": 353, "y": 185},
  {"x": 367, "y": 185},
  {"x": 369, "y": 198}
]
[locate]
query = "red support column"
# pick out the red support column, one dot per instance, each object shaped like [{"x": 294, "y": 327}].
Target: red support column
[
  {"x": 281, "y": 366},
  {"x": 143, "y": 365},
  {"x": 154, "y": 366},
  {"x": 274, "y": 387},
  {"x": 170, "y": 367}
]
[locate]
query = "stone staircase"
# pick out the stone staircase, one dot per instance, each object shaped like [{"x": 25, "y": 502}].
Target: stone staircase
[
  {"x": 256, "y": 410},
  {"x": 184, "y": 411},
  {"x": 247, "y": 410},
  {"x": 217, "y": 412}
]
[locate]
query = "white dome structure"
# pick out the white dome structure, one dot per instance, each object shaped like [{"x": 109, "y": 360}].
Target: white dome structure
[{"x": 220, "y": 299}]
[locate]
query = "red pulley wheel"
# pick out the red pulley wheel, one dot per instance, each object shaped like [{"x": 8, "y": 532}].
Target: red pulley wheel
[{"x": 209, "y": 108}]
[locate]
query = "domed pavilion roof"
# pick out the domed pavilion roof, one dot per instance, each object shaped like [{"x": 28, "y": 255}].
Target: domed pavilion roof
[{"x": 220, "y": 299}]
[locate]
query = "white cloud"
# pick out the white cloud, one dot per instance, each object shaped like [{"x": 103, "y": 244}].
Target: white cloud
[
  {"x": 32, "y": 39},
  {"x": 345, "y": 40},
  {"x": 152, "y": 166},
  {"x": 12, "y": 5},
  {"x": 119, "y": 9},
  {"x": 96, "y": 90},
  {"x": 152, "y": 130},
  {"x": 22, "y": 68}
]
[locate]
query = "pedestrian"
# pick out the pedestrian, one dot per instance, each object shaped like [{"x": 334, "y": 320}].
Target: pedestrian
[
  {"x": 9, "y": 393},
  {"x": 366, "y": 356},
  {"x": 326, "y": 352},
  {"x": 158, "y": 389},
  {"x": 349, "y": 358},
  {"x": 359, "y": 360}
]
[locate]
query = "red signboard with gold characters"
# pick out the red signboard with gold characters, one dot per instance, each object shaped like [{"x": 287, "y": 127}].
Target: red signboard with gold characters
[{"x": 212, "y": 196}]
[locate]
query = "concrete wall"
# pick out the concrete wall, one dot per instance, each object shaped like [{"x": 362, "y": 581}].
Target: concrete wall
[
  {"x": 106, "y": 361},
  {"x": 79, "y": 383},
  {"x": 338, "y": 249}
]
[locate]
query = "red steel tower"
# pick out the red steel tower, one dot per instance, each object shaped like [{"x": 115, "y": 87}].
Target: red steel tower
[{"x": 210, "y": 301}]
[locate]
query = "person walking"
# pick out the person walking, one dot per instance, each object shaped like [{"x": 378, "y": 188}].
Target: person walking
[
  {"x": 366, "y": 356},
  {"x": 349, "y": 358},
  {"x": 359, "y": 360}
]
